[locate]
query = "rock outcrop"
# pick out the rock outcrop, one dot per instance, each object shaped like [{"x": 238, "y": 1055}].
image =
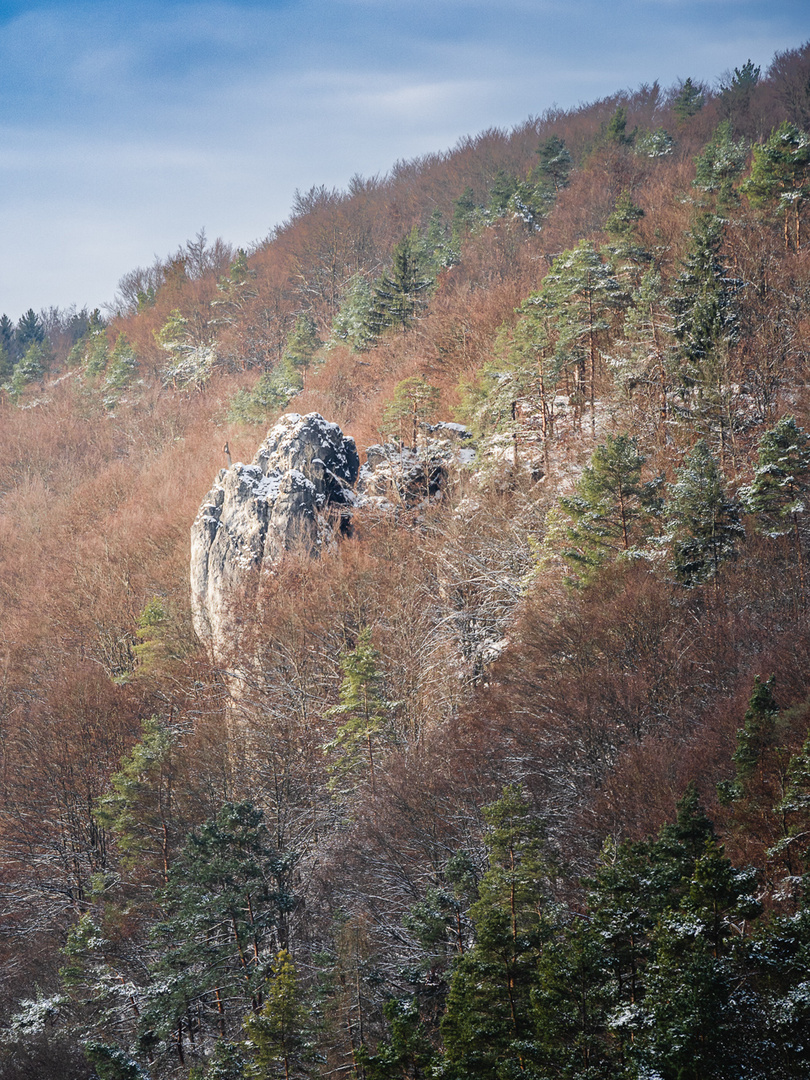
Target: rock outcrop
[
  {"x": 293, "y": 496},
  {"x": 297, "y": 493}
]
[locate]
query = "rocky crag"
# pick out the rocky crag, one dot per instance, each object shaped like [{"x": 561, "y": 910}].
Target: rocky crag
[{"x": 296, "y": 495}]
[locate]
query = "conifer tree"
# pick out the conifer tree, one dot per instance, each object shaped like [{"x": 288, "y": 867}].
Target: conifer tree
[
  {"x": 706, "y": 322},
  {"x": 400, "y": 294},
  {"x": 226, "y": 903},
  {"x": 645, "y": 356},
  {"x": 302, "y": 345},
  {"x": 363, "y": 713},
  {"x": 414, "y": 402},
  {"x": 779, "y": 495},
  {"x": 689, "y": 100},
  {"x": 780, "y": 178},
  {"x": 487, "y": 1028},
  {"x": 720, "y": 165},
  {"x": 140, "y": 809},
  {"x": 277, "y": 1032},
  {"x": 703, "y": 521},
  {"x": 351, "y": 324},
  {"x": 122, "y": 365},
  {"x": 29, "y": 331},
  {"x": 613, "y": 510},
  {"x": 582, "y": 295},
  {"x": 555, "y": 164}
]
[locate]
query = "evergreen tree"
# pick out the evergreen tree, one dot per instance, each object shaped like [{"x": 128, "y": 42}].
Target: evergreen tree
[
  {"x": 122, "y": 365},
  {"x": 720, "y": 166},
  {"x": 400, "y": 294},
  {"x": 582, "y": 296},
  {"x": 502, "y": 189},
  {"x": 140, "y": 809},
  {"x": 780, "y": 178},
  {"x": 466, "y": 213},
  {"x": 703, "y": 522},
  {"x": 273, "y": 391},
  {"x": 226, "y": 903},
  {"x": 616, "y": 130},
  {"x": 363, "y": 712},
  {"x": 706, "y": 325},
  {"x": 7, "y": 344},
  {"x": 644, "y": 358},
  {"x": 613, "y": 511},
  {"x": 487, "y": 1028},
  {"x": 29, "y": 331},
  {"x": 779, "y": 495},
  {"x": 302, "y": 345},
  {"x": 407, "y": 1052},
  {"x": 689, "y": 100},
  {"x": 277, "y": 1032},
  {"x": 555, "y": 164},
  {"x": 351, "y": 323}
]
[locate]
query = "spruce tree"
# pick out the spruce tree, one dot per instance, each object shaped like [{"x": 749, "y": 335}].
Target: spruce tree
[
  {"x": 487, "y": 1029},
  {"x": 400, "y": 294}
]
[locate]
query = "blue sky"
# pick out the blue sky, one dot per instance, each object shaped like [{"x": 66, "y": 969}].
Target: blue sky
[{"x": 125, "y": 128}]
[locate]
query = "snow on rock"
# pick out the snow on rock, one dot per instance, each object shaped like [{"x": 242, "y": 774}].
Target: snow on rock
[
  {"x": 295, "y": 492},
  {"x": 395, "y": 474}
]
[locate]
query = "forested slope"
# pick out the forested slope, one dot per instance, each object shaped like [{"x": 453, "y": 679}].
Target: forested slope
[{"x": 511, "y": 780}]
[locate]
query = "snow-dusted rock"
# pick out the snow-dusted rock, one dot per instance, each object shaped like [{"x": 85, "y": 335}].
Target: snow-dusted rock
[
  {"x": 296, "y": 491},
  {"x": 399, "y": 475}
]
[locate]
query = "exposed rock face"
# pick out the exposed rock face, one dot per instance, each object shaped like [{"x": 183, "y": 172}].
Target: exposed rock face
[
  {"x": 400, "y": 476},
  {"x": 294, "y": 494}
]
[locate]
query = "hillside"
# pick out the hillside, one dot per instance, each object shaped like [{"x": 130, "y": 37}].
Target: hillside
[{"x": 501, "y": 769}]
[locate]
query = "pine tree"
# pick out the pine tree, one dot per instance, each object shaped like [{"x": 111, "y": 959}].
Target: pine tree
[
  {"x": 582, "y": 296},
  {"x": 613, "y": 511},
  {"x": 720, "y": 166},
  {"x": 706, "y": 324},
  {"x": 703, "y": 522},
  {"x": 555, "y": 164},
  {"x": 302, "y": 345},
  {"x": 645, "y": 357},
  {"x": 226, "y": 903},
  {"x": 780, "y": 178},
  {"x": 689, "y": 100}
]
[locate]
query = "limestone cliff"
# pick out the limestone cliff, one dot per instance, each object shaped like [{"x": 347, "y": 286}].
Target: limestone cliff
[{"x": 293, "y": 495}]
